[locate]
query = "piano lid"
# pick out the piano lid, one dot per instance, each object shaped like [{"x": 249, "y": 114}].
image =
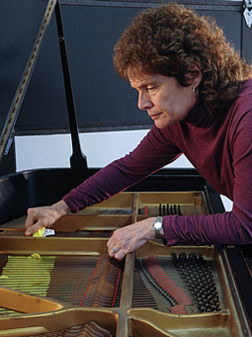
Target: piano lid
[{"x": 22, "y": 28}]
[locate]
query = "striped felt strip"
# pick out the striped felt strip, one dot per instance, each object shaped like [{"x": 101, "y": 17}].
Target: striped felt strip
[
  {"x": 168, "y": 285},
  {"x": 103, "y": 284},
  {"x": 90, "y": 329}
]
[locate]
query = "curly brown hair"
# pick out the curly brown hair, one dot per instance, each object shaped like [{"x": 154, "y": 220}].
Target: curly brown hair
[{"x": 166, "y": 39}]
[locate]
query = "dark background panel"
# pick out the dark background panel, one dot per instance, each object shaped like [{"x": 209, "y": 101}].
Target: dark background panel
[
  {"x": 19, "y": 26},
  {"x": 45, "y": 103},
  {"x": 103, "y": 101},
  {"x": 100, "y": 95}
]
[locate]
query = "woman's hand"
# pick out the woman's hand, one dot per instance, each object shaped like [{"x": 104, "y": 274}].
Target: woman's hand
[
  {"x": 40, "y": 217},
  {"x": 130, "y": 238}
]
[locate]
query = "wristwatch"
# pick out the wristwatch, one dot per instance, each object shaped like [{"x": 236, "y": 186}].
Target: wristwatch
[{"x": 158, "y": 226}]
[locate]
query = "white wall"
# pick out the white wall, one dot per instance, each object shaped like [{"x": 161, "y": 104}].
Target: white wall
[{"x": 33, "y": 152}]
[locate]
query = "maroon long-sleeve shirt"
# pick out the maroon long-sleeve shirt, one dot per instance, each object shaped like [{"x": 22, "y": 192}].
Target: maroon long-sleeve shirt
[{"x": 220, "y": 150}]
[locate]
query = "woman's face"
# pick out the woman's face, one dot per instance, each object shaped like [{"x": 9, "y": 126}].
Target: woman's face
[{"x": 165, "y": 101}]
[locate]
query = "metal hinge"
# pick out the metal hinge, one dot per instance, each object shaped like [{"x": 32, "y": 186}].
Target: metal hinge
[
  {"x": 248, "y": 12},
  {"x": 9, "y": 143}
]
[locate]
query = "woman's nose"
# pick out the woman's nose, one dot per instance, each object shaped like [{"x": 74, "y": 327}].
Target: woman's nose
[{"x": 144, "y": 101}]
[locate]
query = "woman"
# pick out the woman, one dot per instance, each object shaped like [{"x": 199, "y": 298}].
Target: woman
[{"x": 198, "y": 92}]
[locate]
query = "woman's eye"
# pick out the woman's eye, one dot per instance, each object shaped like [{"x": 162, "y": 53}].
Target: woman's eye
[{"x": 148, "y": 89}]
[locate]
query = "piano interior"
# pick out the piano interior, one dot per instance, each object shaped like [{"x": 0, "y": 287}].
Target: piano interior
[{"x": 67, "y": 285}]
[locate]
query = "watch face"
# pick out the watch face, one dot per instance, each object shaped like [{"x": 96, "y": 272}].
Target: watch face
[{"x": 158, "y": 225}]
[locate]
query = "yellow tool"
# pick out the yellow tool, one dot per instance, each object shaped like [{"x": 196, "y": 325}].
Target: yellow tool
[
  {"x": 42, "y": 232},
  {"x": 39, "y": 233}
]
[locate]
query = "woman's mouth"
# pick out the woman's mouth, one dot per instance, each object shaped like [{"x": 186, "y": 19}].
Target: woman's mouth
[{"x": 155, "y": 116}]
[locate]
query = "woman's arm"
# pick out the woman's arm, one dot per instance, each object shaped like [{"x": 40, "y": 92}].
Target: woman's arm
[{"x": 150, "y": 155}]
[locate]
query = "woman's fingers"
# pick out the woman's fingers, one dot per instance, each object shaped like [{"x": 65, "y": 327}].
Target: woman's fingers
[
  {"x": 33, "y": 221},
  {"x": 130, "y": 238},
  {"x": 44, "y": 216}
]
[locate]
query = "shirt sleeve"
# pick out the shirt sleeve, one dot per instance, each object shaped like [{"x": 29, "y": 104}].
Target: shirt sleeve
[
  {"x": 154, "y": 151},
  {"x": 233, "y": 227}
]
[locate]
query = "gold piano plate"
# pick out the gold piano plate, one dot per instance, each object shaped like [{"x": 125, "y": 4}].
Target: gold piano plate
[
  {"x": 62, "y": 286},
  {"x": 120, "y": 210},
  {"x": 149, "y": 203}
]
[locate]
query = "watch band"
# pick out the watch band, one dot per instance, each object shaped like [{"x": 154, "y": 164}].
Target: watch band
[{"x": 158, "y": 226}]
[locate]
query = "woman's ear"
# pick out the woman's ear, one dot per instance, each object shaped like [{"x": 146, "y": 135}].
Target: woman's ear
[{"x": 195, "y": 73}]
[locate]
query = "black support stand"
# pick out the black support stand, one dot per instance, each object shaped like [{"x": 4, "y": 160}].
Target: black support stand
[{"x": 78, "y": 160}]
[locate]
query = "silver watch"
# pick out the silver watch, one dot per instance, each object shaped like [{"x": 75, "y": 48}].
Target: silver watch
[{"x": 158, "y": 226}]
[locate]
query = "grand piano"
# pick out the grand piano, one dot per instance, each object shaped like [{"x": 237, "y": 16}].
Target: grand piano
[{"x": 66, "y": 284}]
